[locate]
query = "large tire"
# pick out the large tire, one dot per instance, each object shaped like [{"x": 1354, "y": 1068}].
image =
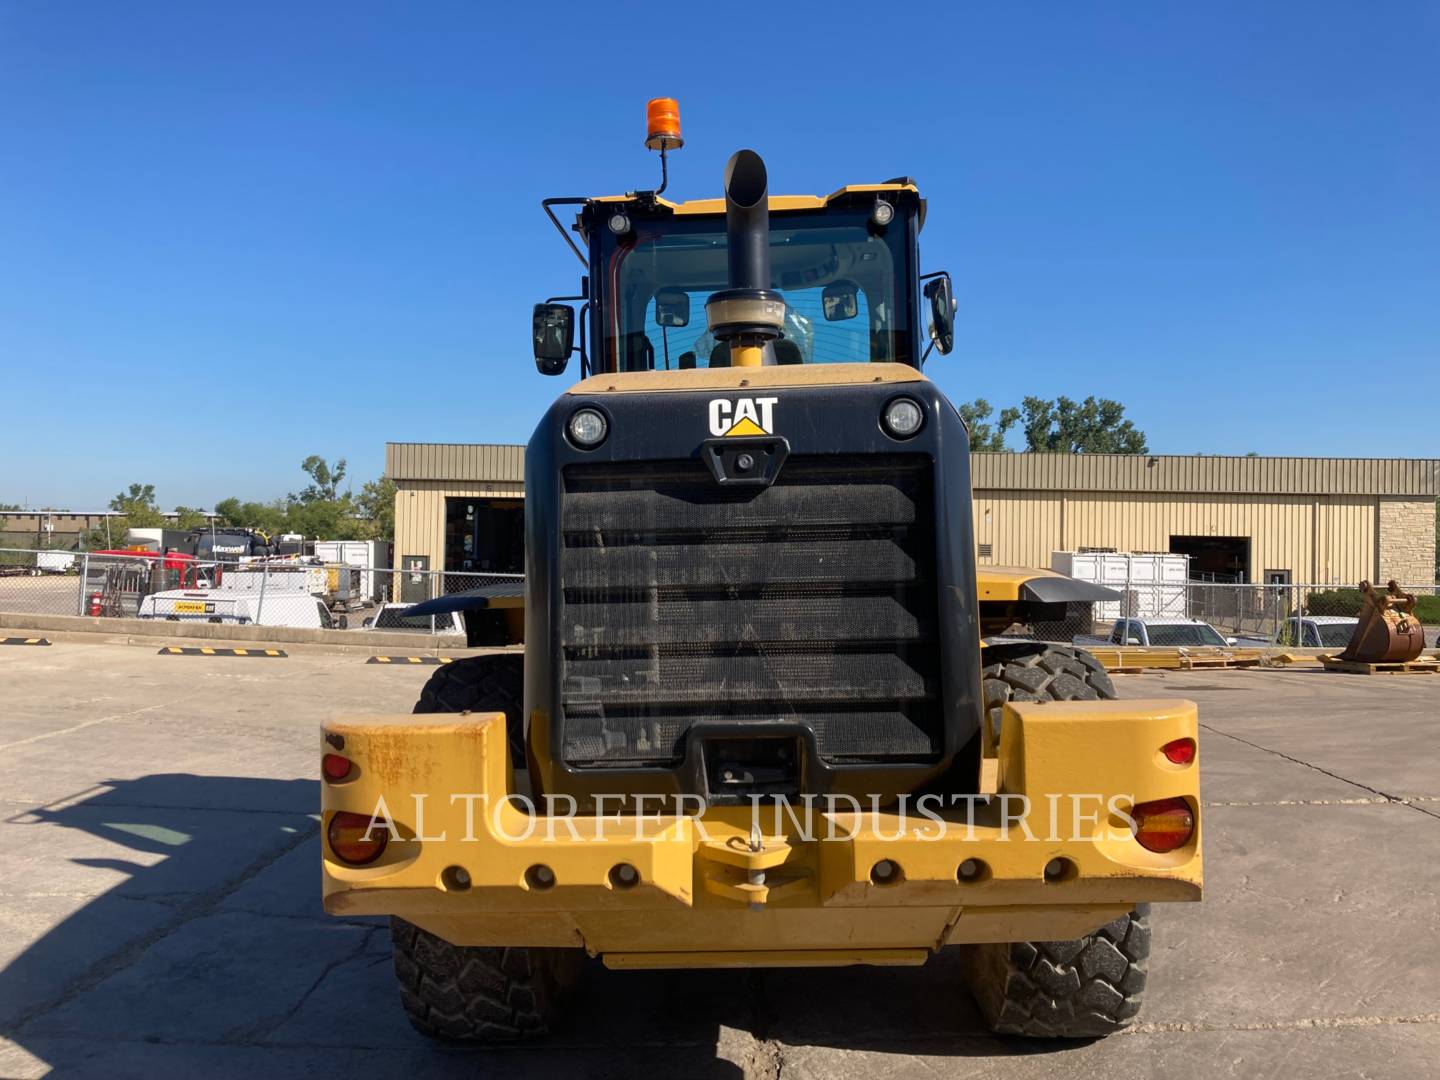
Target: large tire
[
  {"x": 471, "y": 993},
  {"x": 482, "y": 684},
  {"x": 1063, "y": 989},
  {"x": 1034, "y": 671},
  {"x": 1056, "y": 989}
]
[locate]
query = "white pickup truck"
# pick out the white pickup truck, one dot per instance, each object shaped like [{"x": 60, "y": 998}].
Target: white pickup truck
[
  {"x": 1317, "y": 631},
  {"x": 1159, "y": 632}
]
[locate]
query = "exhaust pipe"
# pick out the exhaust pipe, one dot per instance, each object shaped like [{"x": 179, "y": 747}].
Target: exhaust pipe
[{"x": 749, "y": 313}]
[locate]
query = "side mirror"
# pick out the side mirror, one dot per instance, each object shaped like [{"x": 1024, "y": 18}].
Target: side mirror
[
  {"x": 1231, "y": 640},
  {"x": 840, "y": 300},
  {"x": 942, "y": 312},
  {"x": 672, "y": 308},
  {"x": 553, "y": 326},
  {"x": 1132, "y": 641},
  {"x": 344, "y": 622},
  {"x": 368, "y": 623}
]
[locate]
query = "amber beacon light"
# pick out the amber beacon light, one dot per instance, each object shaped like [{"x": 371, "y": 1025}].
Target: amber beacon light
[{"x": 662, "y": 122}]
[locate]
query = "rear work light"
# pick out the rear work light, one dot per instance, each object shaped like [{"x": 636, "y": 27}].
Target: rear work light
[
  {"x": 1163, "y": 825},
  {"x": 347, "y": 835},
  {"x": 1179, "y": 751}
]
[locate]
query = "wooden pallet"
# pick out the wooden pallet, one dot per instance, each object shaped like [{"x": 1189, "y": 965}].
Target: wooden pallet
[
  {"x": 1137, "y": 659},
  {"x": 1355, "y": 667},
  {"x": 1204, "y": 663}
]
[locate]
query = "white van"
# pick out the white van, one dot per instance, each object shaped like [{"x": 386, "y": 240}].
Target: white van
[{"x": 295, "y": 609}]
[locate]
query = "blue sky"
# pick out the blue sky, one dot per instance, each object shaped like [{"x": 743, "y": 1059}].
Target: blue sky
[{"x": 235, "y": 235}]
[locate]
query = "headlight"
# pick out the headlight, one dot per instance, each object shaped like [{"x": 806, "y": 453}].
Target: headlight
[
  {"x": 902, "y": 418},
  {"x": 587, "y": 428}
]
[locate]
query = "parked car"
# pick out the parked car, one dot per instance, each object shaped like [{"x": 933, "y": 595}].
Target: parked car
[
  {"x": 1317, "y": 631},
  {"x": 1160, "y": 632},
  {"x": 392, "y": 616},
  {"x": 293, "y": 609}
]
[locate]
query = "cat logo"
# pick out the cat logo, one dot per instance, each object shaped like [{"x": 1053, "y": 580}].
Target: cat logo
[{"x": 745, "y": 416}]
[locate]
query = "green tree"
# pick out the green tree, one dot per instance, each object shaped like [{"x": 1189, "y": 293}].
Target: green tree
[
  {"x": 321, "y": 510},
  {"x": 268, "y": 517},
  {"x": 327, "y": 520},
  {"x": 376, "y": 504},
  {"x": 983, "y": 434},
  {"x": 187, "y": 517},
  {"x": 108, "y": 535},
  {"x": 1089, "y": 427},
  {"x": 324, "y": 480},
  {"x": 138, "y": 506}
]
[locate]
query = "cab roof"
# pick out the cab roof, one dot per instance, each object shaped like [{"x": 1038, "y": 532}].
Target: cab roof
[{"x": 777, "y": 202}]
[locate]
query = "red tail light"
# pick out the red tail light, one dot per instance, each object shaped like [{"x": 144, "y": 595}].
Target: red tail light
[
  {"x": 1163, "y": 825},
  {"x": 1179, "y": 752},
  {"x": 335, "y": 767},
  {"x": 347, "y": 834}
]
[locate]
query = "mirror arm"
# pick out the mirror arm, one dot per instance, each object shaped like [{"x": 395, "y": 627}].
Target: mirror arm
[
  {"x": 926, "y": 354},
  {"x": 584, "y": 356},
  {"x": 545, "y": 205}
]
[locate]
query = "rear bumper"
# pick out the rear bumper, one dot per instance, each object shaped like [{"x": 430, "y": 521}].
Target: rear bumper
[{"x": 833, "y": 884}]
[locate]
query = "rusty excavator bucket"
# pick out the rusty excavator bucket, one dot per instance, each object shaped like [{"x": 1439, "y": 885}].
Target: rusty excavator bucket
[{"x": 1388, "y": 631}]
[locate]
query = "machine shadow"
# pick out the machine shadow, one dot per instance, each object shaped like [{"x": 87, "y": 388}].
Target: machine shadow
[{"x": 201, "y": 854}]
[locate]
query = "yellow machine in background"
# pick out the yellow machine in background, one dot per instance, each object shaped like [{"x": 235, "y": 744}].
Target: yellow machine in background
[{"x": 755, "y": 722}]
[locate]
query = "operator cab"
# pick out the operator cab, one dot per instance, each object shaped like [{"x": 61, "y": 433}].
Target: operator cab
[{"x": 846, "y": 266}]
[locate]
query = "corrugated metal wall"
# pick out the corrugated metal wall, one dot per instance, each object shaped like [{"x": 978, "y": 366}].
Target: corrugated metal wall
[
  {"x": 1316, "y": 538},
  {"x": 485, "y": 462},
  {"x": 420, "y": 514},
  {"x": 1316, "y": 517},
  {"x": 464, "y": 462},
  {"x": 1227, "y": 475}
]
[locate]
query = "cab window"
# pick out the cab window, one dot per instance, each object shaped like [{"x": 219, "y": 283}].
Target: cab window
[{"x": 833, "y": 263}]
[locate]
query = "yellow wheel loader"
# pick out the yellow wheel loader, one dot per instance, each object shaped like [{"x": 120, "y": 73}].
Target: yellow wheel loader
[{"x": 759, "y": 719}]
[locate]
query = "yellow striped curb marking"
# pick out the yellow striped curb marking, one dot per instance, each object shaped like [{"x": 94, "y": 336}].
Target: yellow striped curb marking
[
  {"x": 175, "y": 650},
  {"x": 410, "y": 660},
  {"x": 24, "y": 641}
]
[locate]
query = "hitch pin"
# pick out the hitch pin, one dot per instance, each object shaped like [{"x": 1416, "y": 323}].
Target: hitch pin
[{"x": 756, "y": 877}]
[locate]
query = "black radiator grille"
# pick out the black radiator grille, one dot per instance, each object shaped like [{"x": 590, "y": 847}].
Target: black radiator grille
[{"x": 685, "y": 602}]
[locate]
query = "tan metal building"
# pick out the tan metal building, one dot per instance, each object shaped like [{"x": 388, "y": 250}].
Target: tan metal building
[{"x": 1301, "y": 520}]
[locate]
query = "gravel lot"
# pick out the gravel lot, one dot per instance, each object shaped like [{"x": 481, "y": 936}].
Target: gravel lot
[{"x": 159, "y": 907}]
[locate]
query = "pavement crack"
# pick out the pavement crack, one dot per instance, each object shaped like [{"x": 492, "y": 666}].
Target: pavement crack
[
  {"x": 767, "y": 1056},
  {"x": 1383, "y": 796},
  {"x": 201, "y": 904},
  {"x": 90, "y": 723},
  {"x": 1161, "y": 1027},
  {"x": 255, "y": 1034}
]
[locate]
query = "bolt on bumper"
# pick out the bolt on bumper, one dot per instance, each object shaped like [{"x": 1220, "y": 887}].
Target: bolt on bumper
[{"x": 1049, "y": 854}]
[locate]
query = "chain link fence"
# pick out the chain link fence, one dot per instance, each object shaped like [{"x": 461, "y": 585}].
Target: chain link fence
[
  {"x": 292, "y": 591},
  {"x": 1243, "y": 615},
  {"x": 302, "y": 591}
]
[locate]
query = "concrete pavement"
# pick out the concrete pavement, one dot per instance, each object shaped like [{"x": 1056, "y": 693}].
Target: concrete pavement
[{"x": 159, "y": 907}]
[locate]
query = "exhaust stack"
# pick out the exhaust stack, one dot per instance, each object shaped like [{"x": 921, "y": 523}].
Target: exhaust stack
[{"x": 749, "y": 313}]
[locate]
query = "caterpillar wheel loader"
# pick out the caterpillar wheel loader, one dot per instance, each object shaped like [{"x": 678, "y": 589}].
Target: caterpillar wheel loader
[{"x": 757, "y": 722}]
